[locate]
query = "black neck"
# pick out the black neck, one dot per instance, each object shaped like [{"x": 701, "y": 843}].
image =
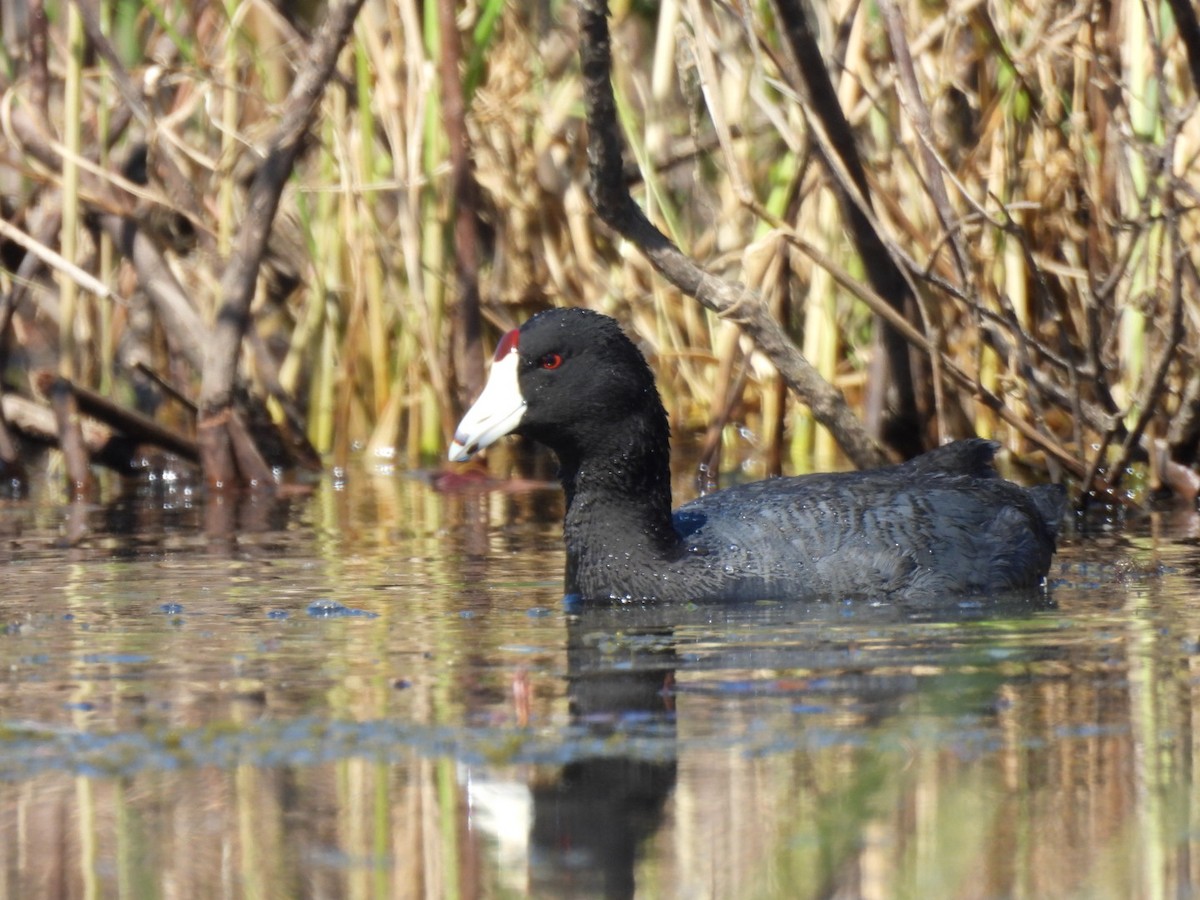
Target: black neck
[{"x": 618, "y": 491}]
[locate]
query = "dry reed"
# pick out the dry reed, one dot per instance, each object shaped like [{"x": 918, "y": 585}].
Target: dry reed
[{"x": 1044, "y": 277}]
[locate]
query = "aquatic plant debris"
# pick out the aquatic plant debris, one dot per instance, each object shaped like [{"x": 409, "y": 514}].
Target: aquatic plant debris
[
  {"x": 30, "y": 748},
  {"x": 331, "y": 609}
]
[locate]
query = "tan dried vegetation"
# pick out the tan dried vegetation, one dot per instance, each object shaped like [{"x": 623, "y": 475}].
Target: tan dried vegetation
[{"x": 1056, "y": 275}]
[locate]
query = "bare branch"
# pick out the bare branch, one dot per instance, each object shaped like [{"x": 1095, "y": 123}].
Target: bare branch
[
  {"x": 241, "y": 272},
  {"x": 730, "y": 300}
]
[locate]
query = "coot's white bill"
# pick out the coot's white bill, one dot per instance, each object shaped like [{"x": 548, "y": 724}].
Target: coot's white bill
[{"x": 496, "y": 413}]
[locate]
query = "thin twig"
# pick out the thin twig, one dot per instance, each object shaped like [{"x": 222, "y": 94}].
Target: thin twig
[
  {"x": 911, "y": 99},
  {"x": 905, "y": 329},
  {"x": 59, "y": 263}
]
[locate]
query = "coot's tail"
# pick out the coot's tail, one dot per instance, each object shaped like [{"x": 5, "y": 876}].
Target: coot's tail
[
  {"x": 1051, "y": 503},
  {"x": 975, "y": 457},
  {"x": 972, "y": 456}
]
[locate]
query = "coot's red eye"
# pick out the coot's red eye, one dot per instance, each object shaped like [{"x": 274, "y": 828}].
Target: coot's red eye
[{"x": 550, "y": 361}]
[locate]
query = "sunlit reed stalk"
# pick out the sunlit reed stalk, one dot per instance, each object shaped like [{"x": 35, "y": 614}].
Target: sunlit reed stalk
[
  {"x": 823, "y": 344},
  {"x": 383, "y": 50},
  {"x": 437, "y": 263},
  {"x": 414, "y": 330},
  {"x": 775, "y": 425},
  {"x": 309, "y": 358},
  {"x": 107, "y": 259},
  {"x": 1016, "y": 290},
  {"x": 371, "y": 167},
  {"x": 1144, "y": 123},
  {"x": 349, "y": 361},
  {"x": 657, "y": 202},
  {"x": 72, "y": 112},
  {"x": 814, "y": 446},
  {"x": 663, "y": 70},
  {"x": 312, "y": 314},
  {"x": 995, "y": 247},
  {"x": 328, "y": 264},
  {"x": 230, "y": 145}
]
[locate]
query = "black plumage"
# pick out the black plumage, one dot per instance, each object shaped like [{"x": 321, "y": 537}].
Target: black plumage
[{"x": 942, "y": 524}]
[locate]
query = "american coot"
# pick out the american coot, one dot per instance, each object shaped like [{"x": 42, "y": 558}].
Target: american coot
[{"x": 941, "y": 524}]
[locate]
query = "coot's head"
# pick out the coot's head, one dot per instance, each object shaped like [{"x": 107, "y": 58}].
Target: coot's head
[{"x": 569, "y": 379}]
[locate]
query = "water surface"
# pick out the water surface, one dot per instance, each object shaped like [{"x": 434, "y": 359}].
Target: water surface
[{"x": 375, "y": 690}]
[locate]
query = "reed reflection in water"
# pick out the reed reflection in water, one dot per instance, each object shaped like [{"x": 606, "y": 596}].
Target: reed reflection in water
[{"x": 378, "y": 693}]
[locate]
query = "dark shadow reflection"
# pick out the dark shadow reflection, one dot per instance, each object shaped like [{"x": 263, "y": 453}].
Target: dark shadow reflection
[
  {"x": 154, "y": 507},
  {"x": 590, "y": 823}
]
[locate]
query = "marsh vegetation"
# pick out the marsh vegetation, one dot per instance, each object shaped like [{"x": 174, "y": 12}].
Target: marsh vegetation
[{"x": 263, "y": 238}]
